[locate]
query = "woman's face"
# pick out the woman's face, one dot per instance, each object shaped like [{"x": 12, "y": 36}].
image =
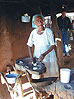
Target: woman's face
[{"x": 38, "y": 21}]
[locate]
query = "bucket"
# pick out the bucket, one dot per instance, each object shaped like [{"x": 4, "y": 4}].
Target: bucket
[{"x": 65, "y": 75}]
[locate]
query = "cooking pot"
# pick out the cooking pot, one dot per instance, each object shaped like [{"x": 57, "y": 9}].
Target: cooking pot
[
  {"x": 34, "y": 68},
  {"x": 25, "y": 18}
]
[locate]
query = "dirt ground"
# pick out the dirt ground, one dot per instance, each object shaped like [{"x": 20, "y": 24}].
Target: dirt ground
[{"x": 69, "y": 61}]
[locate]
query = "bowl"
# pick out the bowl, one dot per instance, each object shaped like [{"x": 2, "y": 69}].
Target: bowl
[{"x": 11, "y": 78}]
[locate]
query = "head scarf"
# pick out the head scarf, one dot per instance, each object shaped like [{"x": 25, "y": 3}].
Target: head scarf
[{"x": 33, "y": 19}]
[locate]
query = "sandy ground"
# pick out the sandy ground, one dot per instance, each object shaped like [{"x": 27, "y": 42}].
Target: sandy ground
[{"x": 69, "y": 61}]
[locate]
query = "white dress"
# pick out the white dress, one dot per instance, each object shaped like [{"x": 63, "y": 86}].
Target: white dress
[{"x": 42, "y": 43}]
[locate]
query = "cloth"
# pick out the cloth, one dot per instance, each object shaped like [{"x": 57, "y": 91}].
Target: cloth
[
  {"x": 73, "y": 30},
  {"x": 64, "y": 24},
  {"x": 65, "y": 39},
  {"x": 73, "y": 24},
  {"x": 42, "y": 43}
]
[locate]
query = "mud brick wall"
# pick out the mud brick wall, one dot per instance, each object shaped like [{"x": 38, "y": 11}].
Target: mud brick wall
[{"x": 13, "y": 38}]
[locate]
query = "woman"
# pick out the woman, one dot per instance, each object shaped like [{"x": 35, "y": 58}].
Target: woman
[{"x": 43, "y": 41}]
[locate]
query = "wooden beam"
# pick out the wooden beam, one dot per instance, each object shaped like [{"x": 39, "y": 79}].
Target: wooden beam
[{"x": 11, "y": 1}]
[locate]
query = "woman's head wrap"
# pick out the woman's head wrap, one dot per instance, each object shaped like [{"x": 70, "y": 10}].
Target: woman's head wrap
[{"x": 33, "y": 19}]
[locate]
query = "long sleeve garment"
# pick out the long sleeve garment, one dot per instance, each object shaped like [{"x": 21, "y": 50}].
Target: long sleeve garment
[
  {"x": 42, "y": 43},
  {"x": 64, "y": 24}
]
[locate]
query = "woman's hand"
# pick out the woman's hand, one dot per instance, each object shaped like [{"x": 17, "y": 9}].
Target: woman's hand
[
  {"x": 41, "y": 57},
  {"x": 33, "y": 60}
]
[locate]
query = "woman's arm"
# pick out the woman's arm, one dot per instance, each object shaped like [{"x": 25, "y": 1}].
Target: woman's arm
[
  {"x": 32, "y": 59},
  {"x": 30, "y": 52}
]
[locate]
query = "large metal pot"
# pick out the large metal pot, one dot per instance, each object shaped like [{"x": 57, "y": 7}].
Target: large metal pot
[{"x": 33, "y": 68}]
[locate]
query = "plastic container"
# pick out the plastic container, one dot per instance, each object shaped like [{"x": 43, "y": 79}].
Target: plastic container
[
  {"x": 65, "y": 75},
  {"x": 35, "y": 76},
  {"x": 25, "y": 18},
  {"x": 11, "y": 78},
  {"x": 66, "y": 48}
]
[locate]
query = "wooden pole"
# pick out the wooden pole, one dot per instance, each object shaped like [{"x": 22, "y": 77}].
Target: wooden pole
[{"x": 58, "y": 41}]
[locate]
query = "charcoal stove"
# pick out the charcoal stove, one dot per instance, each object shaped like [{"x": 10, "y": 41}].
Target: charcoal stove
[{"x": 38, "y": 68}]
